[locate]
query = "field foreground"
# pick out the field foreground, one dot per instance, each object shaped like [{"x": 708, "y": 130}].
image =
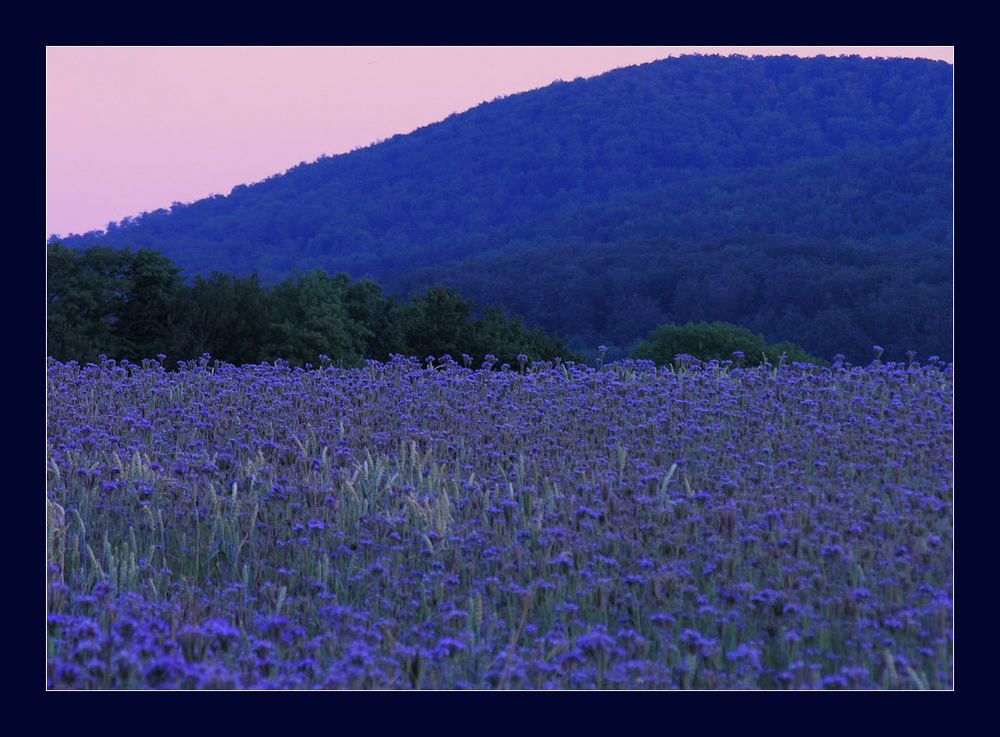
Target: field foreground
[{"x": 427, "y": 525}]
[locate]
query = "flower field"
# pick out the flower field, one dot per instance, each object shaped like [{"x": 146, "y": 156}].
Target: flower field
[{"x": 548, "y": 525}]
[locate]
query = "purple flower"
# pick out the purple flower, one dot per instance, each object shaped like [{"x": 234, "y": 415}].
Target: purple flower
[
  {"x": 448, "y": 646},
  {"x": 597, "y": 640}
]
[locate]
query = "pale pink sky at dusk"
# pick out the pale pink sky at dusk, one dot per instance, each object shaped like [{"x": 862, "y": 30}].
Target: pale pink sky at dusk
[{"x": 133, "y": 129}]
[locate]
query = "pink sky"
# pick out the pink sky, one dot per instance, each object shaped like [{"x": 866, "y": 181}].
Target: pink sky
[{"x": 133, "y": 129}]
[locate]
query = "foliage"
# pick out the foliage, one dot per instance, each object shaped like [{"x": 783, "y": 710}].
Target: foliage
[
  {"x": 717, "y": 340},
  {"x": 229, "y": 316},
  {"x": 109, "y": 301},
  {"x": 134, "y": 306},
  {"x": 313, "y": 320},
  {"x": 829, "y": 298}
]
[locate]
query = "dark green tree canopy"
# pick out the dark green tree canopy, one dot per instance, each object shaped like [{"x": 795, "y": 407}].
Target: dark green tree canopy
[
  {"x": 111, "y": 301},
  {"x": 715, "y": 340},
  {"x": 133, "y": 306}
]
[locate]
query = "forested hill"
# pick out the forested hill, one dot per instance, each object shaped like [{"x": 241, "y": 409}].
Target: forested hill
[{"x": 807, "y": 199}]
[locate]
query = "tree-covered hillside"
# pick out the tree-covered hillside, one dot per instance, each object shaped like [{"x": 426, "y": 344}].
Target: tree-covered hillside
[{"x": 804, "y": 199}]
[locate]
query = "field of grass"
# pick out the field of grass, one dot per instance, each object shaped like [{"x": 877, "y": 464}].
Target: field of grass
[{"x": 436, "y": 525}]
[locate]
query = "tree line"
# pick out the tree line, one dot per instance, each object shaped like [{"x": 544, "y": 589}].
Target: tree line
[{"x": 133, "y": 305}]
